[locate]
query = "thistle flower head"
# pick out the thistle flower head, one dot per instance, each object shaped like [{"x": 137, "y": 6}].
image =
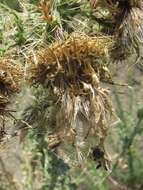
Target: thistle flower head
[
  {"x": 75, "y": 59},
  {"x": 73, "y": 71},
  {"x": 10, "y": 77}
]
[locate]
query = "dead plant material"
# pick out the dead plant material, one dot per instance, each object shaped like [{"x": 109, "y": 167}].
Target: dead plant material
[
  {"x": 73, "y": 71},
  {"x": 10, "y": 77},
  {"x": 130, "y": 30},
  {"x": 46, "y": 7},
  {"x": 127, "y": 19},
  {"x": 72, "y": 59}
]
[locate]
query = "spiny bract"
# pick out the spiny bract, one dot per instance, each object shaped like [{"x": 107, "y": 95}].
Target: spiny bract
[{"x": 72, "y": 70}]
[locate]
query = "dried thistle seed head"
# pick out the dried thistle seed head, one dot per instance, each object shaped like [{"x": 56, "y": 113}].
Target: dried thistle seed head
[
  {"x": 72, "y": 72},
  {"x": 10, "y": 76},
  {"x": 131, "y": 15},
  {"x": 74, "y": 59},
  {"x": 116, "y": 3},
  {"x": 132, "y": 26},
  {"x": 129, "y": 32}
]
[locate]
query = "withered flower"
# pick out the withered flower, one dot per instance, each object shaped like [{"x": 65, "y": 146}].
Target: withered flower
[
  {"x": 126, "y": 17},
  {"x": 72, "y": 70},
  {"x": 130, "y": 26},
  {"x": 10, "y": 76}
]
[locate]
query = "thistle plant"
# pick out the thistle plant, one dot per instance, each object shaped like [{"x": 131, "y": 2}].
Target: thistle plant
[
  {"x": 66, "y": 122},
  {"x": 72, "y": 72}
]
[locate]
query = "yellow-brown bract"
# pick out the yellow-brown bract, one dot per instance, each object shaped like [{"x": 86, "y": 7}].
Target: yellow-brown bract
[
  {"x": 10, "y": 76},
  {"x": 72, "y": 70}
]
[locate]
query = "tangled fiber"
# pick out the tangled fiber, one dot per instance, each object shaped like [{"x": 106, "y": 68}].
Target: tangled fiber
[{"x": 72, "y": 71}]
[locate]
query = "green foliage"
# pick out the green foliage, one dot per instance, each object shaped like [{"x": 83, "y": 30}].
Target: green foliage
[
  {"x": 53, "y": 170},
  {"x": 20, "y": 36},
  {"x": 130, "y": 132},
  {"x": 13, "y": 4},
  {"x": 34, "y": 1}
]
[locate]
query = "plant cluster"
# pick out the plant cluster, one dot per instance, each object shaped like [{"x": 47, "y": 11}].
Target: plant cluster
[{"x": 66, "y": 57}]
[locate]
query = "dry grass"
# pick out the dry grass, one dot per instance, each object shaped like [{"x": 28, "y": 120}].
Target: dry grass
[{"x": 131, "y": 28}]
